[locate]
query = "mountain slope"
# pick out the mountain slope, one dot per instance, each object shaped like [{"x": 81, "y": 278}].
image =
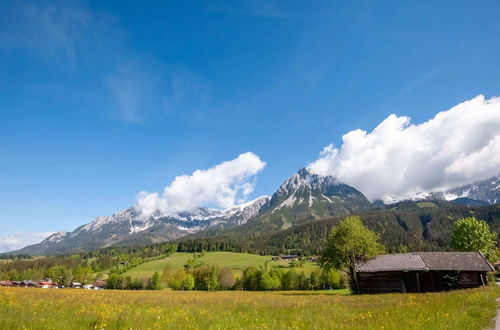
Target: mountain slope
[
  {"x": 308, "y": 196},
  {"x": 404, "y": 226},
  {"x": 304, "y": 196},
  {"x": 129, "y": 228},
  {"x": 485, "y": 190}
]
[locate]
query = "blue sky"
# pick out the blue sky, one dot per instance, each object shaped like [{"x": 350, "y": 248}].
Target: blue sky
[{"x": 101, "y": 100}]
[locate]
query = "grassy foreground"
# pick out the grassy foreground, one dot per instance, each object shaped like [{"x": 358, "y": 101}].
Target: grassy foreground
[{"x": 70, "y": 309}]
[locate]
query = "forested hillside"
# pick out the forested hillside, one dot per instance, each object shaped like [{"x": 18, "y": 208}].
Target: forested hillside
[{"x": 406, "y": 226}]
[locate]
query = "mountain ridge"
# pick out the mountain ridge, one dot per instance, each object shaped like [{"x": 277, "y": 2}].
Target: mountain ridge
[
  {"x": 128, "y": 226},
  {"x": 304, "y": 196},
  {"x": 487, "y": 190}
]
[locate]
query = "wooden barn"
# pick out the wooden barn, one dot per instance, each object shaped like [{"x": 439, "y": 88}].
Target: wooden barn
[{"x": 422, "y": 272}]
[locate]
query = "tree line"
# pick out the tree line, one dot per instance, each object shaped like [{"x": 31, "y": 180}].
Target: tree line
[
  {"x": 83, "y": 267},
  {"x": 199, "y": 276}
]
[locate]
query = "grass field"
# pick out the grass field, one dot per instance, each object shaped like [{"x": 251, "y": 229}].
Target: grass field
[
  {"x": 426, "y": 204},
  {"x": 22, "y": 308},
  {"x": 307, "y": 268},
  {"x": 236, "y": 261}
]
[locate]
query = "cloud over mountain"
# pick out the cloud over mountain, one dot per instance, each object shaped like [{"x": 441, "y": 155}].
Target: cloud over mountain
[
  {"x": 223, "y": 185},
  {"x": 18, "y": 240},
  {"x": 398, "y": 158}
]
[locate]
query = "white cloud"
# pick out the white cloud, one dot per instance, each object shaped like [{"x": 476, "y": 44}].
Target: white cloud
[
  {"x": 223, "y": 185},
  {"x": 398, "y": 158},
  {"x": 20, "y": 240}
]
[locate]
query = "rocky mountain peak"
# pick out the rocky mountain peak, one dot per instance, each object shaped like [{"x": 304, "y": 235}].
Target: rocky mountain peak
[
  {"x": 305, "y": 179},
  {"x": 56, "y": 237},
  {"x": 485, "y": 190},
  {"x": 246, "y": 211},
  {"x": 308, "y": 190}
]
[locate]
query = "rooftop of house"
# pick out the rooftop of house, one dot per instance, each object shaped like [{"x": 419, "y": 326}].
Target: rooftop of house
[{"x": 426, "y": 261}]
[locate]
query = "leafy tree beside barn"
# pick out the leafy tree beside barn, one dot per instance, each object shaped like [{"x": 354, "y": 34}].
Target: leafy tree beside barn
[
  {"x": 470, "y": 235},
  {"x": 350, "y": 241}
]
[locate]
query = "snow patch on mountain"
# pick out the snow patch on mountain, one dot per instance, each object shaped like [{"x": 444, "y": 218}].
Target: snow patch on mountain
[
  {"x": 311, "y": 200},
  {"x": 326, "y": 197},
  {"x": 117, "y": 218},
  {"x": 136, "y": 227},
  {"x": 485, "y": 190},
  {"x": 289, "y": 202},
  {"x": 56, "y": 237},
  {"x": 246, "y": 211}
]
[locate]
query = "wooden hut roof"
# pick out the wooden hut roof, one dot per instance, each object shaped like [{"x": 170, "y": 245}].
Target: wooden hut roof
[
  {"x": 392, "y": 262},
  {"x": 425, "y": 261},
  {"x": 464, "y": 261}
]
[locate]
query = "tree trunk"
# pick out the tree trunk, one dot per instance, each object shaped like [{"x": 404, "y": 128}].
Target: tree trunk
[{"x": 354, "y": 278}]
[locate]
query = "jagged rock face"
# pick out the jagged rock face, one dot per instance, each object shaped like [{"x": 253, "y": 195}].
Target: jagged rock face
[
  {"x": 243, "y": 213},
  {"x": 419, "y": 197},
  {"x": 306, "y": 195},
  {"x": 303, "y": 180},
  {"x": 303, "y": 197},
  {"x": 486, "y": 190},
  {"x": 129, "y": 228}
]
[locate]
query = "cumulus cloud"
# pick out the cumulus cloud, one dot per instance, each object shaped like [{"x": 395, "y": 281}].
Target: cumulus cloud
[
  {"x": 398, "y": 158},
  {"x": 20, "y": 240},
  {"x": 223, "y": 185}
]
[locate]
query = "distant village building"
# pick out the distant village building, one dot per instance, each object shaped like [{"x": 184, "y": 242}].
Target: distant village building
[
  {"x": 47, "y": 284},
  {"x": 29, "y": 284},
  {"x": 422, "y": 272},
  {"x": 98, "y": 285}
]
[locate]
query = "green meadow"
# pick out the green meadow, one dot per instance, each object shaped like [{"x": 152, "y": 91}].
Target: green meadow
[{"x": 236, "y": 261}]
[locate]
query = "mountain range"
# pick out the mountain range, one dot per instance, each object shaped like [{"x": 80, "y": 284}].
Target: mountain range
[
  {"x": 484, "y": 192},
  {"x": 303, "y": 197}
]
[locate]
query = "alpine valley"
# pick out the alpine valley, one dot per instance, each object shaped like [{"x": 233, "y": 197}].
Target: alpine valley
[{"x": 303, "y": 204}]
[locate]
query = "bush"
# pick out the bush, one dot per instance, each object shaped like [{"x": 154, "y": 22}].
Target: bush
[
  {"x": 188, "y": 282},
  {"x": 226, "y": 278}
]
